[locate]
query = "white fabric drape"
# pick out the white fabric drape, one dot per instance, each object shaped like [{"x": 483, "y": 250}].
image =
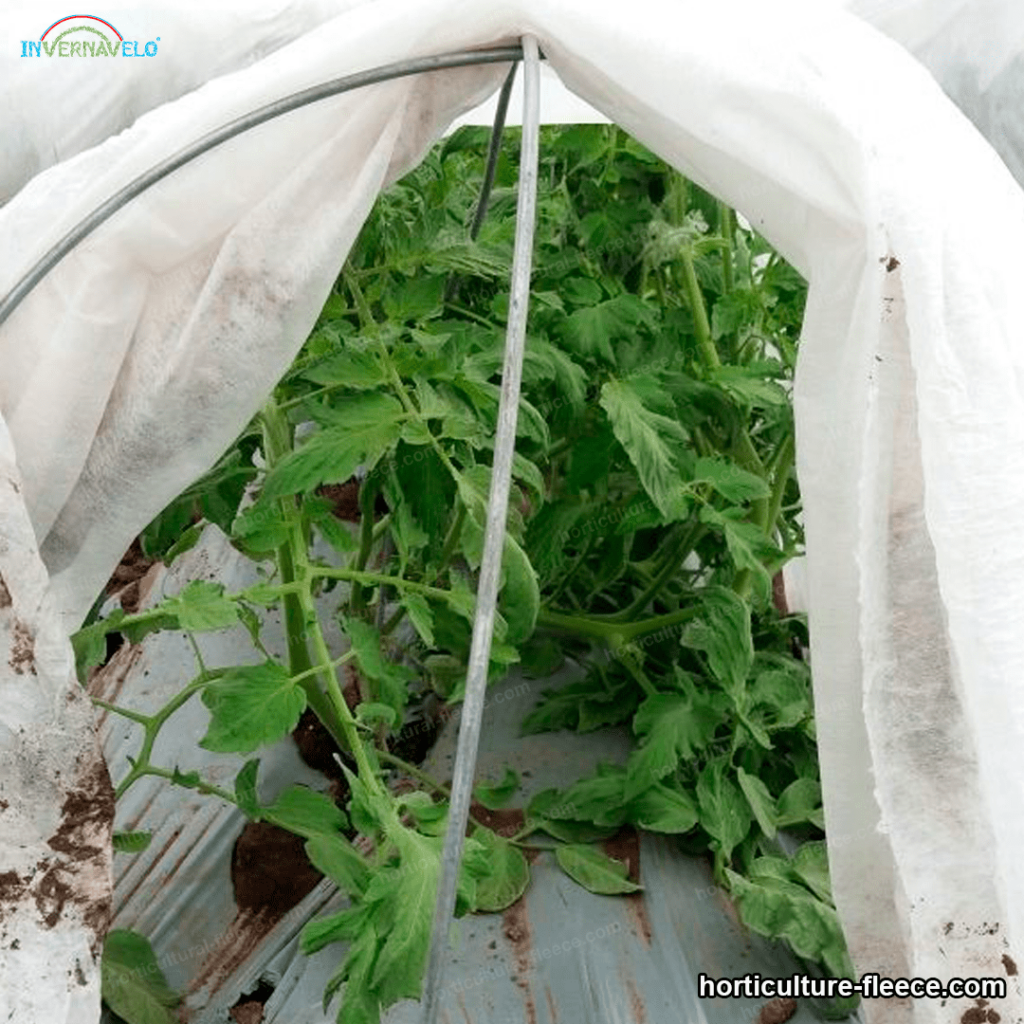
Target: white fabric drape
[{"x": 132, "y": 366}]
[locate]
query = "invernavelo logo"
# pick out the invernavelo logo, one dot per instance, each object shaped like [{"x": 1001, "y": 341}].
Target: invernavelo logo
[{"x": 85, "y": 35}]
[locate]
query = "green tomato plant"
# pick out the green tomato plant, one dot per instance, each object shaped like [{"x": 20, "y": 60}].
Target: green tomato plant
[{"x": 654, "y": 500}]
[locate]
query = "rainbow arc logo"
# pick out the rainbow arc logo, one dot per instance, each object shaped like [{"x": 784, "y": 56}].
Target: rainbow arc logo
[{"x": 86, "y": 35}]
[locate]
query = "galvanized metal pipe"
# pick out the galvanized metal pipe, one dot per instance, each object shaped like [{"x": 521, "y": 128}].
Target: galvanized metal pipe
[
  {"x": 121, "y": 198},
  {"x": 494, "y": 536}
]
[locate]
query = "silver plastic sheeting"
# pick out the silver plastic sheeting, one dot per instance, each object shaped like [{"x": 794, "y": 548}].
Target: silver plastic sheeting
[{"x": 559, "y": 955}]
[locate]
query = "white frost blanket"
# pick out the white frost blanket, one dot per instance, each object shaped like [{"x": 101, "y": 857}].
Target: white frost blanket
[{"x": 135, "y": 363}]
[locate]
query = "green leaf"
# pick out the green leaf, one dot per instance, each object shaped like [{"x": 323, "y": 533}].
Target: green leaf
[
  {"x": 133, "y": 985},
  {"x": 663, "y": 809},
  {"x": 675, "y": 727},
  {"x": 306, "y": 813},
  {"x": 750, "y": 388},
  {"x": 90, "y": 643},
  {"x": 800, "y": 801},
  {"x": 747, "y": 544},
  {"x": 245, "y": 790},
  {"x": 810, "y": 863},
  {"x": 600, "y": 799},
  {"x": 371, "y": 715},
  {"x": 591, "y": 330},
  {"x": 251, "y": 705},
  {"x": 390, "y": 680},
  {"x": 498, "y": 795},
  {"x": 777, "y": 909},
  {"x": 367, "y": 424},
  {"x": 760, "y": 800},
  {"x": 723, "y": 633},
  {"x": 508, "y": 873},
  {"x": 201, "y": 607},
  {"x": 411, "y": 891},
  {"x": 132, "y": 842},
  {"x": 261, "y": 527},
  {"x": 520, "y": 596},
  {"x": 345, "y": 926},
  {"x": 724, "y": 812},
  {"x": 420, "y": 616},
  {"x": 341, "y": 862},
  {"x": 730, "y": 480},
  {"x": 350, "y": 369},
  {"x": 647, "y": 438},
  {"x": 594, "y": 870},
  {"x": 427, "y": 486},
  {"x": 551, "y": 801}
]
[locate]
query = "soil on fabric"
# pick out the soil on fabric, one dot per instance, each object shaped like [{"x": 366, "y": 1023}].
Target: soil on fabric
[{"x": 778, "y": 1011}]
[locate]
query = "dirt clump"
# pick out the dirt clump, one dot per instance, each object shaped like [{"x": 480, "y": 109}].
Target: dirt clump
[{"x": 778, "y": 1011}]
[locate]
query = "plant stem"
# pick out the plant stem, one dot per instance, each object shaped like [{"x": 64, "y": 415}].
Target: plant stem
[
  {"x": 607, "y": 628},
  {"x": 277, "y": 443},
  {"x": 674, "y": 558},
  {"x": 705, "y": 346}
]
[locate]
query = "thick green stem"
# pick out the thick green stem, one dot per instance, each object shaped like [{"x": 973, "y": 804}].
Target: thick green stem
[
  {"x": 277, "y": 443},
  {"x": 673, "y": 560},
  {"x": 612, "y": 628},
  {"x": 725, "y": 229},
  {"x": 705, "y": 344},
  {"x": 779, "y": 469}
]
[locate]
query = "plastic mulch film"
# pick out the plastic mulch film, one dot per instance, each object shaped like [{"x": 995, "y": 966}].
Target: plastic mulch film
[{"x": 132, "y": 365}]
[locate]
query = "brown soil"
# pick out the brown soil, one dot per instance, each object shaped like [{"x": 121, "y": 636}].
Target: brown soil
[
  {"x": 979, "y": 1015},
  {"x": 270, "y": 870},
  {"x": 247, "y": 1013},
  {"x": 637, "y": 909},
  {"x": 778, "y": 1011},
  {"x": 5, "y": 595},
  {"x": 316, "y": 745},
  {"x": 1010, "y": 965},
  {"x": 625, "y": 846},
  {"x": 505, "y": 823},
  {"x": 344, "y": 497},
  {"x": 126, "y": 577},
  {"x": 517, "y": 930}
]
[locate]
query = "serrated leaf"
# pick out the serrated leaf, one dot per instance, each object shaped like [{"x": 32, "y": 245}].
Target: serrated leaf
[
  {"x": 497, "y": 795},
  {"x": 647, "y": 438},
  {"x": 306, "y": 812},
  {"x": 370, "y": 715},
  {"x": 132, "y": 983},
  {"x": 747, "y": 544},
  {"x": 411, "y": 890},
  {"x": 245, "y": 790},
  {"x": 660, "y": 808},
  {"x": 591, "y": 330},
  {"x": 594, "y": 870},
  {"x": 420, "y": 616},
  {"x": 132, "y": 842},
  {"x": 343, "y": 926},
  {"x": 364, "y": 427},
  {"x": 777, "y": 910},
  {"x": 261, "y": 527},
  {"x": 508, "y": 873},
  {"x": 251, "y": 705},
  {"x": 201, "y": 607},
  {"x": 675, "y": 727},
  {"x": 724, "y": 812},
  {"x": 760, "y": 801},
  {"x": 722, "y": 632},
  {"x": 550, "y": 802},
  {"x": 341, "y": 862},
  {"x": 730, "y": 480},
  {"x": 390, "y": 680},
  {"x": 351, "y": 369}
]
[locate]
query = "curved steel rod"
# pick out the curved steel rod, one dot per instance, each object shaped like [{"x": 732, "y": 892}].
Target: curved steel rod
[
  {"x": 336, "y": 86},
  {"x": 494, "y": 536}
]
